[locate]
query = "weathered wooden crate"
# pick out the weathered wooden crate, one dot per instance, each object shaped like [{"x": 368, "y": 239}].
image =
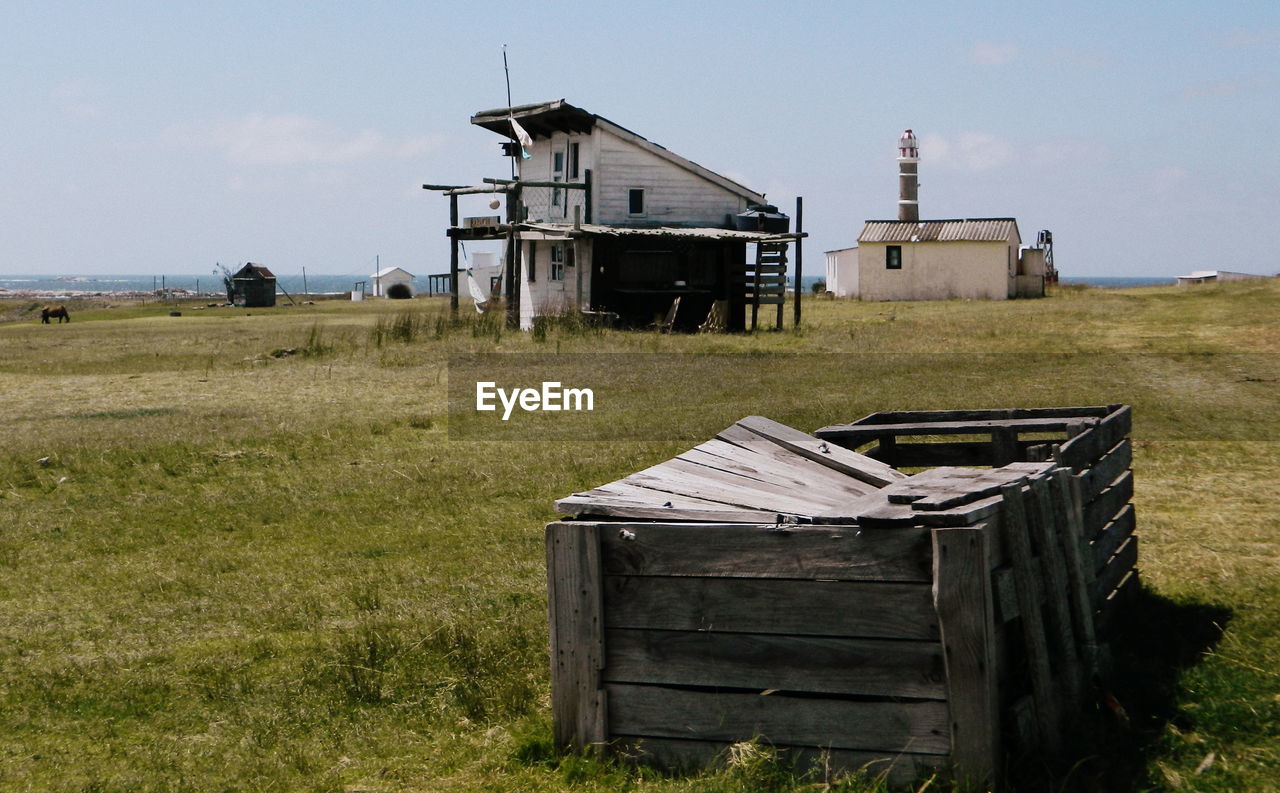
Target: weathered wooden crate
[{"x": 776, "y": 586}]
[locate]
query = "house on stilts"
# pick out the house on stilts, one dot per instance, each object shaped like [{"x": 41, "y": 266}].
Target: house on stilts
[{"x": 601, "y": 221}]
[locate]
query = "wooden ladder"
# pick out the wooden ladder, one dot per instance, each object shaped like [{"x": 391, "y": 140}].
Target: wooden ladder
[{"x": 767, "y": 280}]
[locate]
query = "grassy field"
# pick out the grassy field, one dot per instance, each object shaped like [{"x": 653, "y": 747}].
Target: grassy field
[{"x": 268, "y": 549}]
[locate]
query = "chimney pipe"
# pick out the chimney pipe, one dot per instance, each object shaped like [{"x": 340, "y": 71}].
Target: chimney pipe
[{"x": 908, "y": 184}]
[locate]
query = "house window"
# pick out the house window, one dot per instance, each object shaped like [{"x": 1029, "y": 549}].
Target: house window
[
  {"x": 558, "y": 162},
  {"x": 573, "y": 161},
  {"x": 635, "y": 201},
  {"x": 557, "y": 263},
  {"x": 533, "y": 262},
  {"x": 893, "y": 257}
]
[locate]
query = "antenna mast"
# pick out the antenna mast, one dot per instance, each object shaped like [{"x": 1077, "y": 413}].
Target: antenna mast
[{"x": 506, "y": 70}]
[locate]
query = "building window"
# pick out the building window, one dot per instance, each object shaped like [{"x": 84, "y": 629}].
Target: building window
[
  {"x": 558, "y": 162},
  {"x": 557, "y": 263},
  {"x": 573, "y": 161},
  {"x": 635, "y": 201},
  {"x": 532, "y": 264},
  {"x": 893, "y": 257}
]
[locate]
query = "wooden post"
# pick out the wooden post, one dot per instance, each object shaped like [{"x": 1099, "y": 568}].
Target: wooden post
[
  {"x": 963, "y": 601},
  {"x": 586, "y": 200},
  {"x": 453, "y": 254},
  {"x": 513, "y": 257},
  {"x": 575, "y": 606},
  {"x": 795, "y": 318},
  {"x": 1013, "y": 519},
  {"x": 1079, "y": 565}
]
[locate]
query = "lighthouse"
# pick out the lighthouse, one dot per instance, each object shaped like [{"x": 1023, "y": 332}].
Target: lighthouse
[{"x": 908, "y": 184}]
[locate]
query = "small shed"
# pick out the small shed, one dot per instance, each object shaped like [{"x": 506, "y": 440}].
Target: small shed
[
  {"x": 253, "y": 286},
  {"x": 776, "y": 586},
  {"x": 393, "y": 282}
]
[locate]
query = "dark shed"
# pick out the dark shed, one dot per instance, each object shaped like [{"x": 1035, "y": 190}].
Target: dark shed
[{"x": 253, "y": 286}]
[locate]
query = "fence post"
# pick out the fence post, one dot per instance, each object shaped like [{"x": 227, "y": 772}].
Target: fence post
[
  {"x": 575, "y": 607},
  {"x": 962, "y": 599}
]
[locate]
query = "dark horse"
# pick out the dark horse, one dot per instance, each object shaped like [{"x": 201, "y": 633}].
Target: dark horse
[{"x": 49, "y": 312}]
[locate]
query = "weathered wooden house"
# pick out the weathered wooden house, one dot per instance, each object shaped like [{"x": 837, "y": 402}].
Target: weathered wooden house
[
  {"x": 252, "y": 286},
  {"x": 911, "y": 259},
  {"x": 602, "y": 220}
]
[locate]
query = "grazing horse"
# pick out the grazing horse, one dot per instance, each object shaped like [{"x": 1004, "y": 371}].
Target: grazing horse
[{"x": 49, "y": 312}]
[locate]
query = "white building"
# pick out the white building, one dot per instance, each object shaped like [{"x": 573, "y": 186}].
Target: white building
[
  {"x": 635, "y": 226},
  {"x": 1214, "y": 277},
  {"x": 392, "y": 282}
]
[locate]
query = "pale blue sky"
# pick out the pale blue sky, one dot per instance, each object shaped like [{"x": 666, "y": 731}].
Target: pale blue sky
[{"x": 159, "y": 138}]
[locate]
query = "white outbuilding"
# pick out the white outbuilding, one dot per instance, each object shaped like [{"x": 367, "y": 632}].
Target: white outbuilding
[{"x": 393, "y": 282}]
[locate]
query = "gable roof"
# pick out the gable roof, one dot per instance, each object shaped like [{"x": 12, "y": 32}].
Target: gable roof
[
  {"x": 966, "y": 230},
  {"x": 251, "y": 270},
  {"x": 543, "y": 119}
]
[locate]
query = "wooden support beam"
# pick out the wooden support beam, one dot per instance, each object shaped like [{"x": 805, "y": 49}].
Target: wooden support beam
[
  {"x": 575, "y": 607},
  {"x": 795, "y": 318},
  {"x": 962, "y": 598},
  {"x": 1079, "y": 566},
  {"x": 453, "y": 256},
  {"x": 1061, "y": 632}
]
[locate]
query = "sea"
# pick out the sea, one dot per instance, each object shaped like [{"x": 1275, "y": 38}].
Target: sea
[{"x": 89, "y": 285}]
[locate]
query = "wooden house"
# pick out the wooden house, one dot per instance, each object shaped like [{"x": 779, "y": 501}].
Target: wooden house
[
  {"x": 602, "y": 220},
  {"x": 252, "y": 286}
]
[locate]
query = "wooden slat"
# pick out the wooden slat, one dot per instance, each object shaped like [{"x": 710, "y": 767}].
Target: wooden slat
[
  {"x": 1013, "y": 521},
  {"x": 865, "y": 432},
  {"x": 712, "y": 489},
  {"x": 752, "y": 605},
  {"x": 1099, "y": 477},
  {"x": 1118, "y": 566},
  {"x": 912, "y": 455},
  {"x": 767, "y": 460},
  {"x": 601, "y": 507},
  {"x": 770, "y": 301},
  {"x": 777, "y": 493},
  {"x": 1107, "y": 542},
  {"x": 806, "y": 552},
  {"x": 896, "y": 768},
  {"x": 870, "y": 667},
  {"x": 1085, "y": 449},
  {"x": 1103, "y": 509},
  {"x": 1061, "y": 633},
  {"x": 856, "y": 465},
  {"x": 574, "y": 580},
  {"x": 638, "y": 494},
  {"x": 914, "y": 416},
  {"x": 735, "y": 716},
  {"x": 1079, "y": 568},
  {"x": 964, "y": 604}
]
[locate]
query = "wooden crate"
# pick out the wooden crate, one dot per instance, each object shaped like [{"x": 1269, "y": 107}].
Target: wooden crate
[{"x": 901, "y": 626}]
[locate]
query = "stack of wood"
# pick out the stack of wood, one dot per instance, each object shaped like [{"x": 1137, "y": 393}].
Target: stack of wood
[{"x": 776, "y": 586}]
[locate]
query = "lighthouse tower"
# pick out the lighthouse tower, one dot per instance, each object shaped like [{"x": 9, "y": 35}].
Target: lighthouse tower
[{"x": 908, "y": 183}]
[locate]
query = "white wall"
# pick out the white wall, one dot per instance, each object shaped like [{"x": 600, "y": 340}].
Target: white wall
[
  {"x": 937, "y": 271},
  {"x": 842, "y": 272},
  {"x": 544, "y": 296}
]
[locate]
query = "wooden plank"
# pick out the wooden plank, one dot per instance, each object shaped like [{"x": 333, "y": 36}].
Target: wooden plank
[
  {"x": 1118, "y": 566},
  {"x": 859, "y": 466},
  {"x": 751, "y": 605},
  {"x": 764, "y": 494},
  {"x": 895, "y": 768},
  {"x": 846, "y": 553},
  {"x": 1085, "y": 449},
  {"x": 1103, "y": 509},
  {"x": 768, "y": 460},
  {"x": 578, "y": 704},
  {"x": 770, "y": 301},
  {"x": 1079, "y": 569},
  {"x": 626, "y": 491},
  {"x": 1109, "y": 540},
  {"x": 760, "y": 662},
  {"x": 864, "y": 432},
  {"x": 1107, "y": 470},
  {"x": 1061, "y": 632},
  {"x": 1013, "y": 521},
  {"x": 962, "y": 598},
  {"x": 913, "y": 455},
  {"x": 914, "y": 416},
  {"x": 599, "y": 507},
  {"x": 778, "y": 719}
]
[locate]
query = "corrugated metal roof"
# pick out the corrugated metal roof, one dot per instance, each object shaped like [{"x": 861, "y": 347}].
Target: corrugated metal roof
[
  {"x": 697, "y": 232},
  {"x": 967, "y": 230}
]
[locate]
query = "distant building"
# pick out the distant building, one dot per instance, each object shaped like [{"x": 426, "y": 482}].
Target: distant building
[
  {"x": 252, "y": 286},
  {"x": 635, "y": 227},
  {"x": 393, "y": 282},
  {"x": 910, "y": 259},
  {"x": 1214, "y": 276}
]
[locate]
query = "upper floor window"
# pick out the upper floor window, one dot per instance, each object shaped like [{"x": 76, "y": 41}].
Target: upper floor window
[
  {"x": 635, "y": 201},
  {"x": 893, "y": 257},
  {"x": 557, "y": 162},
  {"x": 573, "y": 161}
]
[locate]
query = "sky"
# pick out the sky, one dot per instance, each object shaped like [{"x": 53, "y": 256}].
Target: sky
[{"x": 166, "y": 137}]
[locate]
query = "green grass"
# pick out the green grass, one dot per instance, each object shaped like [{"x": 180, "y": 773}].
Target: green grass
[{"x": 225, "y": 566}]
